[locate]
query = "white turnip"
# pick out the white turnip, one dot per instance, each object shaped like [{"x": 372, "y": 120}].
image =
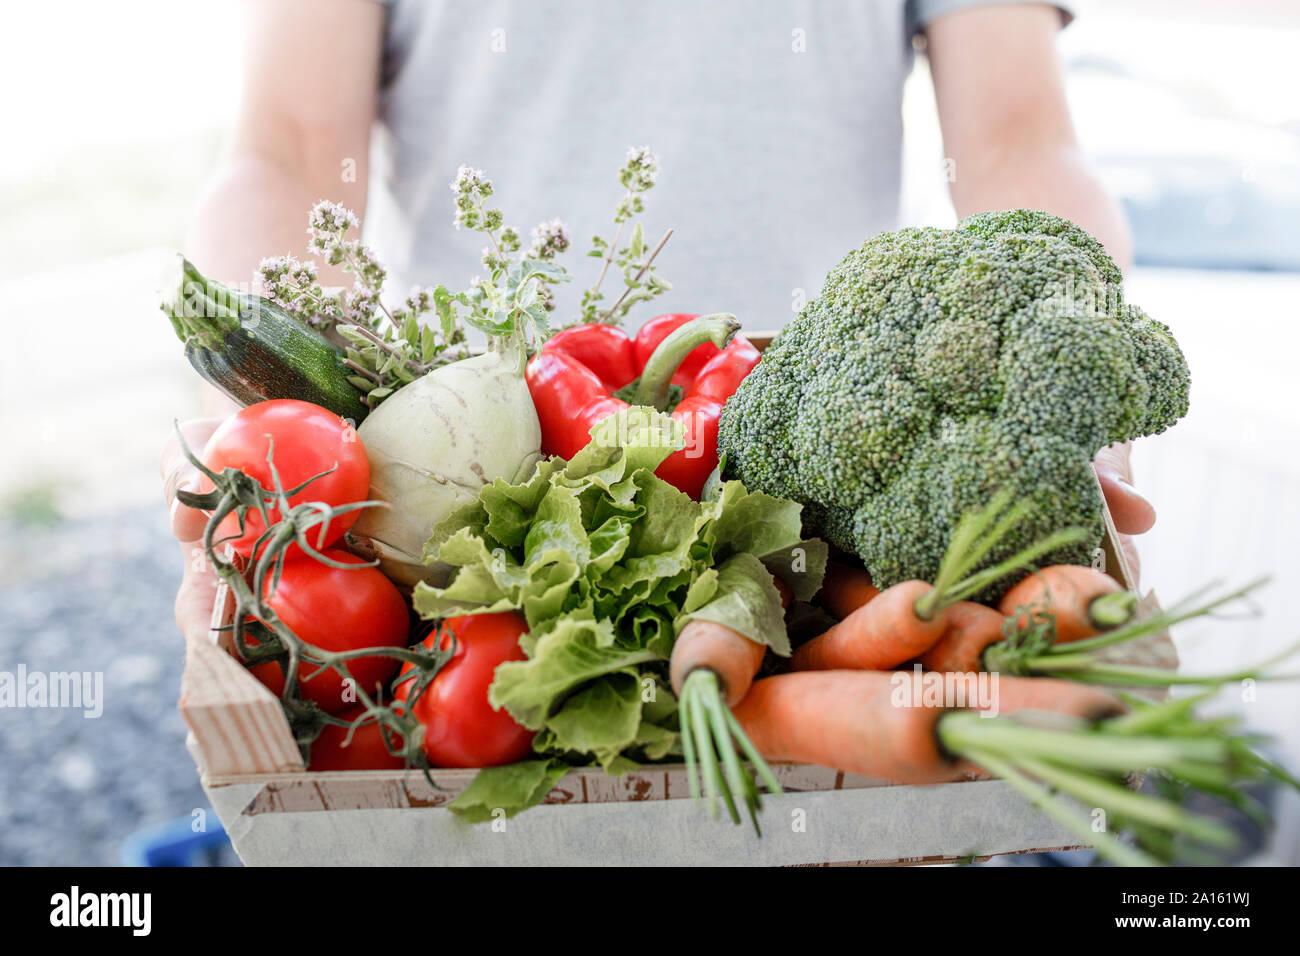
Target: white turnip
[{"x": 433, "y": 445}]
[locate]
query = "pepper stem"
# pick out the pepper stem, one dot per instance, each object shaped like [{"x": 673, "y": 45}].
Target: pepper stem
[{"x": 652, "y": 388}]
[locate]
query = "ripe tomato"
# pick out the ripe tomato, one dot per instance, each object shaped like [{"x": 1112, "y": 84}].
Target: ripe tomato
[
  {"x": 366, "y": 751},
  {"x": 308, "y": 440},
  {"x": 337, "y": 610},
  {"x": 460, "y": 727}
]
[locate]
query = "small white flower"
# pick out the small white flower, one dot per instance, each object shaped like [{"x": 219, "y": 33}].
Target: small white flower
[
  {"x": 469, "y": 179},
  {"x": 329, "y": 216},
  {"x": 549, "y": 238},
  {"x": 643, "y": 156}
]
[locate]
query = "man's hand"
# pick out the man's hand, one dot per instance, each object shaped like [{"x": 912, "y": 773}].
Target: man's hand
[
  {"x": 199, "y": 586},
  {"x": 1131, "y": 512}
]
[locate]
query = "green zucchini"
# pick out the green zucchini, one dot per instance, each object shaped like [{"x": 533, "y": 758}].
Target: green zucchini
[{"x": 253, "y": 350}]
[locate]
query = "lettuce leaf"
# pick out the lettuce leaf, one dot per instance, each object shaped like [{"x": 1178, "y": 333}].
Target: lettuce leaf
[
  {"x": 608, "y": 562},
  {"x": 511, "y": 789}
]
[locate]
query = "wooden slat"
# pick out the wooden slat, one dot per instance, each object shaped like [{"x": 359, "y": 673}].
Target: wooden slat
[
  {"x": 386, "y": 790},
  {"x": 238, "y": 726}
]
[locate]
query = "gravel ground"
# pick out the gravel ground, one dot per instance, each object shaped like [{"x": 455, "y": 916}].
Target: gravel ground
[{"x": 93, "y": 595}]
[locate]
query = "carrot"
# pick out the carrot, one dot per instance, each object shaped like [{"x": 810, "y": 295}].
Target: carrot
[
  {"x": 907, "y": 619},
  {"x": 856, "y": 721},
  {"x": 846, "y": 720},
  {"x": 883, "y": 633},
  {"x": 1083, "y": 601},
  {"x": 1014, "y": 694},
  {"x": 729, "y": 654},
  {"x": 1029, "y": 647},
  {"x": 783, "y": 589},
  {"x": 711, "y": 669},
  {"x": 845, "y": 589},
  {"x": 970, "y": 629}
]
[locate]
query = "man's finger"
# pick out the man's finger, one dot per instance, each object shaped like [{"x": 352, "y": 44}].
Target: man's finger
[
  {"x": 1132, "y": 513},
  {"x": 178, "y": 474},
  {"x": 187, "y": 523},
  {"x": 197, "y": 593}
]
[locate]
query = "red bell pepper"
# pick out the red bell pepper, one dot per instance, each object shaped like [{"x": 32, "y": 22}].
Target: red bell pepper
[{"x": 574, "y": 377}]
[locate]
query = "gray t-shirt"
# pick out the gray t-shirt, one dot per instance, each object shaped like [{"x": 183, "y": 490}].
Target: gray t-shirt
[{"x": 777, "y": 124}]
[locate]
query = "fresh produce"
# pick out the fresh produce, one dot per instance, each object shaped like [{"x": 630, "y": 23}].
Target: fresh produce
[
  {"x": 934, "y": 412},
  {"x": 707, "y": 645},
  {"x": 459, "y": 727},
  {"x": 910, "y": 617},
  {"x": 608, "y": 564},
  {"x": 975, "y": 627},
  {"x": 355, "y": 744},
  {"x": 845, "y": 589},
  {"x": 309, "y": 442},
  {"x": 854, "y": 721},
  {"x": 1083, "y": 601},
  {"x": 433, "y": 446},
  {"x": 679, "y": 363},
  {"x": 940, "y": 366},
  {"x": 1071, "y": 601},
  {"x": 1029, "y": 646},
  {"x": 636, "y": 259},
  {"x": 1089, "y": 764},
  {"x": 345, "y": 605},
  {"x": 253, "y": 349},
  {"x": 711, "y": 670},
  {"x": 257, "y": 630},
  {"x": 450, "y": 423},
  {"x": 1057, "y": 738}
]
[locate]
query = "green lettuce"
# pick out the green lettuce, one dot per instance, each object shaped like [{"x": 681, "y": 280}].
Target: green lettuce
[{"x": 608, "y": 562}]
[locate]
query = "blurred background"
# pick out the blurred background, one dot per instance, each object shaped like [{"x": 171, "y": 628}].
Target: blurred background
[{"x": 1189, "y": 111}]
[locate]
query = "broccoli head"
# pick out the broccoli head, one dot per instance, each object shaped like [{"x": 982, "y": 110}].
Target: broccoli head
[{"x": 940, "y": 366}]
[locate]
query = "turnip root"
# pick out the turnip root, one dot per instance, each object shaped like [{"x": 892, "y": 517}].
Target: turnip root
[{"x": 432, "y": 445}]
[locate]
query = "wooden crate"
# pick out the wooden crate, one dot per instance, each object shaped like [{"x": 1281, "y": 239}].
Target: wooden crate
[{"x": 276, "y": 812}]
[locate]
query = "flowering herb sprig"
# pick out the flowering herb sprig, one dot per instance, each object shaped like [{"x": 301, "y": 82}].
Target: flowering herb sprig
[
  {"x": 385, "y": 348},
  {"x": 635, "y": 260},
  {"x": 511, "y": 302}
]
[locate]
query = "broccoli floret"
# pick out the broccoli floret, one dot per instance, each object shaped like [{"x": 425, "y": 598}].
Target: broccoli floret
[{"x": 939, "y": 366}]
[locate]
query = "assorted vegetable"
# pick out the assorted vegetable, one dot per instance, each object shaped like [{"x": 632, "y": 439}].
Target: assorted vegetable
[
  {"x": 345, "y": 605},
  {"x": 940, "y": 366},
  {"x": 912, "y": 616},
  {"x": 686, "y": 365},
  {"x": 433, "y": 445},
  {"x": 608, "y": 563},
  {"x": 459, "y": 727},
  {"x": 600, "y": 587}
]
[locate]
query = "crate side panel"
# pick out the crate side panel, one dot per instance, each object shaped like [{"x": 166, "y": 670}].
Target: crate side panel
[{"x": 873, "y": 825}]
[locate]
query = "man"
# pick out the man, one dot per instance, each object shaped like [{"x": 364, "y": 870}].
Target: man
[{"x": 777, "y": 124}]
